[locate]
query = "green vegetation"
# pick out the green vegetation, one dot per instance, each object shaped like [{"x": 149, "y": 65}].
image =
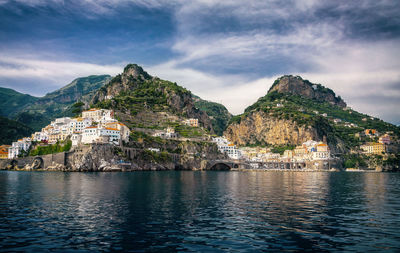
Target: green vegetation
[
  {"x": 159, "y": 157},
  {"x": 218, "y": 113},
  {"x": 51, "y": 149},
  {"x": 148, "y": 94},
  {"x": 302, "y": 110},
  {"x": 355, "y": 161},
  {"x": 281, "y": 148},
  {"x": 38, "y": 112},
  {"x": 77, "y": 108},
  {"x": 11, "y": 101},
  {"x": 12, "y": 130}
]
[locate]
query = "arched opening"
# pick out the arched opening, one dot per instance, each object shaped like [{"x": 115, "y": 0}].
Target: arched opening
[
  {"x": 37, "y": 163},
  {"x": 14, "y": 164},
  {"x": 220, "y": 166}
]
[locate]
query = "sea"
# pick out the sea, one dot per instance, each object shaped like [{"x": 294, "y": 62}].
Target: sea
[{"x": 199, "y": 211}]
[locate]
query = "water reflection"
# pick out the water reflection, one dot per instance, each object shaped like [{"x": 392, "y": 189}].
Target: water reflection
[{"x": 199, "y": 211}]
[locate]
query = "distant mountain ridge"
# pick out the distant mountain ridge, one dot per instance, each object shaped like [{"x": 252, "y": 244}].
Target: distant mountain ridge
[
  {"x": 12, "y": 101},
  {"x": 37, "y": 112}
]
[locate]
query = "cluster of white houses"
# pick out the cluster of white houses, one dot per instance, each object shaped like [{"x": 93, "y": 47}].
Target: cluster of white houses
[
  {"x": 308, "y": 151},
  {"x": 95, "y": 126}
]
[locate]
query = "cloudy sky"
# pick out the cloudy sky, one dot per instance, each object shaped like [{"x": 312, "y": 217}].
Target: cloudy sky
[{"x": 227, "y": 51}]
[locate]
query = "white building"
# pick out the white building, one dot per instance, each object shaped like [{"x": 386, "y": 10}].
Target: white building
[
  {"x": 40, "y": 136},
  {"x": 98, "y": 115},
  {"x": 124, "y": 130},
  {"x": 18, "y": 146},
  {"x": 76, "y": 139},
  {"x": 321, "y": 152},
  {"x": 224, "y": 146},
  {"x": 78, "y": 124},
  {"x": 95, "y": 135}
]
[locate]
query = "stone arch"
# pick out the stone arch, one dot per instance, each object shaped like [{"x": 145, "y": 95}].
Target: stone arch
[
  {"x": 220, "y": 166},
  {"x": 37, "y": 163},
  {"x": 14, "y": 164}
]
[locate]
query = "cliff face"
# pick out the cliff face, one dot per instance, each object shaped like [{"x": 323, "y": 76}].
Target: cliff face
[
  {"x": 261, "y": 128},
  {"x": 297, "y": 86}
]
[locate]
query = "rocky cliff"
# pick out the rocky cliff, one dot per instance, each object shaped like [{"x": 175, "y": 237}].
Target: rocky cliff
[
  {"x": 262, "y": 128},
  {"x": 293, "y": 111},
  {"x": 297, "y": 86}
]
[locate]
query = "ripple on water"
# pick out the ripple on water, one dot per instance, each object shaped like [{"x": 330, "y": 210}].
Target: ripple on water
[{"x": 199, "y": 211}]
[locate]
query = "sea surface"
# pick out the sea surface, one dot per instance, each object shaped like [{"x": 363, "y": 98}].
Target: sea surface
[{"x": 169, "y": 211}]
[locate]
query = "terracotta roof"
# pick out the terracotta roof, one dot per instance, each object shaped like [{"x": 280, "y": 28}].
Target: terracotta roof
[
  {"x": 109, "y": 128},
  {"x": 322, "y": 145}
]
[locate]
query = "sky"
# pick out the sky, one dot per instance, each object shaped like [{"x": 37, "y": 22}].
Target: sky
[{"x": 225, "y": 51}]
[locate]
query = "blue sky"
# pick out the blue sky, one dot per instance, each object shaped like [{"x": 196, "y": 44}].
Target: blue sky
[{"x": 225, "y": 51}]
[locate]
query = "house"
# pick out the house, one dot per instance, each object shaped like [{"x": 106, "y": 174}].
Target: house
[
  {"x": 322, "y": 152},
  {"x": 371, "y": 132},
  {"x": 373, "y": 148},
  {"x": 98, "y": 115},
  {"x": 18, "y": 146},
  {"x": 224, "y": 146},
  {"x": 192, "y": 122},
  {"x": 4, "y": 151},
  {"x": 124, "y": 130},
  {"x": 337, "y": 121},
  {"x": 385, "y": 139},
  {"x": 324, "y": 115},
  {"x": 100, "y": 135},
  {"x": 40, "y": 136},
  {"x": 76, "y": 139}
]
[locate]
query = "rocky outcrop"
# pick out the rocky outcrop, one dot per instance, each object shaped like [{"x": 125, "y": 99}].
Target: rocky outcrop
[
  {"x": 175, "y": 99},
  {"x": 297, "y": 86},
  {"x": 261, "y": 128}
]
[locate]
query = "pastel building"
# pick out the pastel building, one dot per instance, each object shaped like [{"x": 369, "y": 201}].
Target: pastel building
[
  {"x": 371, "y": 148},
  {"x": 192, "y": 122}
]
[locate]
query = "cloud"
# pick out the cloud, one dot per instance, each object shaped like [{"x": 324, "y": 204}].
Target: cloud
[{"x": 49, "y": 75}]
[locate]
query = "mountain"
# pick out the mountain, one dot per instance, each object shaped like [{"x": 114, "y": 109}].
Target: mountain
[
  {"x": 12, "y": 101},
  {"x": 12, "y": 130},
  {"x": 295, "y": 110},
  {"x": 143, "y": 101},
  {"x": 218, "y": 113},
  {"x": 38, "y": 112}
]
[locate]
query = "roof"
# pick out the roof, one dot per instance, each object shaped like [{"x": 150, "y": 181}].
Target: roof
[
  {"x": 2, "y": 152},
  {"x": 114, "y": 129},
  {"x": 91, "y": 127},
  {"x": 91, "y": 110},
  {"x": 322, "y": 145}
]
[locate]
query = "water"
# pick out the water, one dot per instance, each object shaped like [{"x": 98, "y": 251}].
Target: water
[{"x": 199, "y": 211}]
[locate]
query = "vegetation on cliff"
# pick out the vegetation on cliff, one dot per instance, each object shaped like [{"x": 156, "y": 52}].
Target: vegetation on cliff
[
  {"x": 218, "y": 113},
  {"x": 149, "y": 102},
  {"x": 312, "y": 112},
  {"x": 12, "y": 130},
  {"x": 38, "y": 112}
]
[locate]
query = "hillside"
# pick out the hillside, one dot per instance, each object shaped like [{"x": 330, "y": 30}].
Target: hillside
[
  {"x": 12, "y": 101},
  {"x": 218, "y": 113},
  {"x": 38, "y": 112},
  {"x": 12, "y": 130},
  {"x": 295, "y": 110},
  {"x": 143, "y": 101}
]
